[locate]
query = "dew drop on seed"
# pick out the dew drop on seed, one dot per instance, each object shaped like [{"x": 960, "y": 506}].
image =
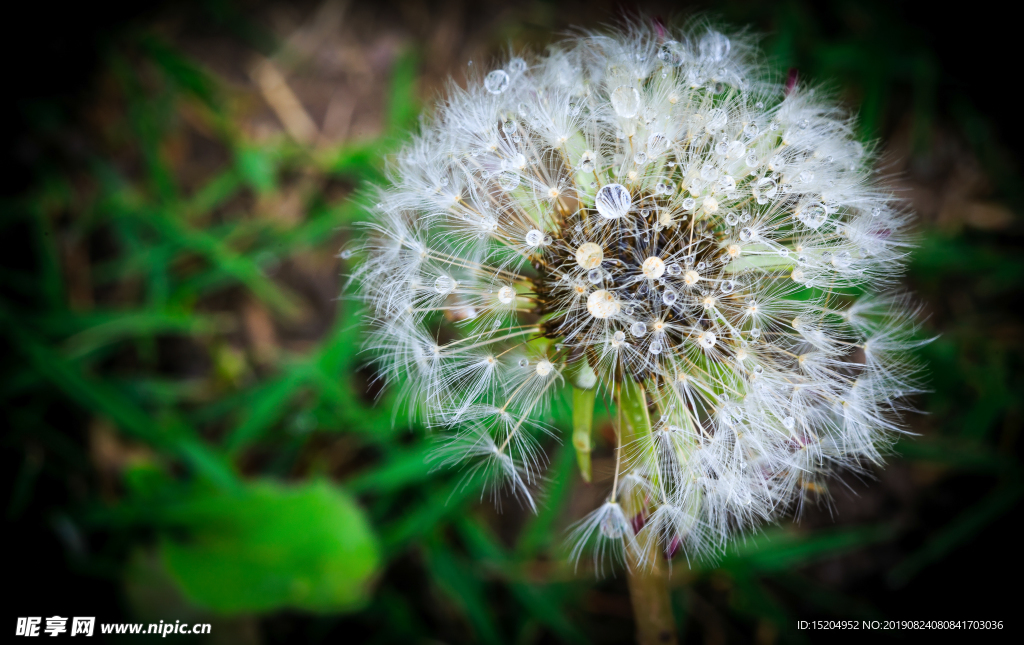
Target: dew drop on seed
[
  {"x": 746, "y": 234},
  {"x": 714, "y": 46},
  {"x": 709, "y": 172},
  {"x": 534, "y": 238},
  {"x": 625, "y": 101},
  {"x": 444, "y": 284},
  {"x": 523, "y": 362},
  {"x": 517, "y": 66},
  {"x": 655, "y": 347},
  {"x": 689, "y": 203},
  {"x": 346, "y": 254},
  {"x": 765, "y": 189},
  {"x": 496, "y": 82},
  {"x": 548, "y": 240},
  {"x": 509, "y": 126},
  {"x": 755, "y": 333},
  {"x": 587, "y": 161},
  {"x": 656, "y": 143},
  {"x": 669, "y": 297},
  {"x": 674, "y": 269},
  {"x": 728, "y": 286},
  {"x": 613, "y": 201},
  {"x": 789, "y": 423},
  {"x": 669, "y": 53},
  {"x": 721, "y": 148},
  {"x": 750, "y": 129},
  {"x": 508, "y": 180},
  {"x": 506, "y": 295},
  {"x": 638, "y": 329},
  {"x": 751, "y": 160},
  {"x": 736, "y": 150},
  {"x": 594, "y": 276},
  {"x": 731, "y": 219},
  {"x": 640, "y": 158},
  {"x": 759, "y": 105},
  {"x": 813, "y": 215}
]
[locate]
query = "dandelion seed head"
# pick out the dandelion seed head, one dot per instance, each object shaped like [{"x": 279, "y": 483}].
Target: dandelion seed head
[{"x": 641, "y": 206}]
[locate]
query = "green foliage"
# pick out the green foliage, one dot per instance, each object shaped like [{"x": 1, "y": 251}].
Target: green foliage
[{"x": 270, "y": 547}]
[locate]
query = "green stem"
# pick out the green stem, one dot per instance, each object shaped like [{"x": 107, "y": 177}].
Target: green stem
[{"x": 647, "y": 574}]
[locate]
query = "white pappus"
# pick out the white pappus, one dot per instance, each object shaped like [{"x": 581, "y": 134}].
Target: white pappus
[{"x": 640, "y": 211}]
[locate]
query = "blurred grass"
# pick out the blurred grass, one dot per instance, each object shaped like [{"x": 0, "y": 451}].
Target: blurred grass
[{"x": 140, "y": 360}]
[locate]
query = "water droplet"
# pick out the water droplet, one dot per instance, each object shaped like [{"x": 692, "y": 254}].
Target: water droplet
[
  {"x": 506, "y": 295},
  {"x": 517, "y": 65},
  {"x": 595, "y": 276},
  {"x": 751, "y": 160},
  {"x": 655, "y": 347},
  {"x": 625, "y": 101},
  {"x": 669, "y": 53},
  {"x": 750, "y": 130},
  {"x": 587, "y": 161},
  {"x": 776, "y": 163},
  {"x": 674, "y": 269},
  {"x": 613, "y": 201},
  {"x": 640, "y": 158},
  {"x": 508, "y": 180},
  {"x": 444, "y": 284},
  {"x": 736, "y": 150},
  {"x": 669, "y": 297},
  {"x": 789, "y": 423},
  {"x": 728, "y": 286},
  {"x": 638, "y": 329},
  {"x": 509, "y": 126},
  {"x": 496, "y": 82},
  {"x": 523, "y": 362},
  {"x": 806, "y": 177},
  {"x": 813, "y": 215},
  {"x": 534, "y": 238},
  {"x": 689, "y": 203},
  {"x": 721, "y": 148},
  {"x": 548, "y": 240},
  {"x": 346, "y": 254},
  {"x": 656, "y": 143},
  {"x": 731, "y": 219},
  {"x": 759, "y": 105},
  {"x": 714, "y": 46},
  {"x": 755, "y": 333},
  {"x": 707, "y": 340},
  {"x": 765, "y": 190},
  {"x": 618, "y": 337},
  {"x": 746, "y": 234}
]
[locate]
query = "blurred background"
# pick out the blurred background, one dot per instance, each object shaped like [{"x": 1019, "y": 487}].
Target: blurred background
[{"x": 191, "y": 434}]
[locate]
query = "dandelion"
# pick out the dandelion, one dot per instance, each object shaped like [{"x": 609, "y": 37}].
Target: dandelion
[{"x": 641, "y": 217}]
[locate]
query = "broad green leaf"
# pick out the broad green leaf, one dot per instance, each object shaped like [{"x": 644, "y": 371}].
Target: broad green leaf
[{"x": 272, "y": 547}]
